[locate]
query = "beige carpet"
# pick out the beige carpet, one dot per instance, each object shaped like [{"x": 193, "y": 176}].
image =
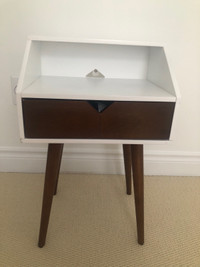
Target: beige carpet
[{"x": 93, "y": 222}]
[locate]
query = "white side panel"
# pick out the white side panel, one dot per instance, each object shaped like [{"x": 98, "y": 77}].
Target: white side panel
[
  {"x": 19, "y": 89},
  {"x": 178, "y": 99},
  {"x": 31, "y": 67},
  {"x": 20, "y": 117},
  {"x": 161, "y": 73},
  {"x": 172, "y": 133},
  {"x": 78, "y": 59},
  {"x": 30, "y": 71},
  {"x": 158, "y": 70}
]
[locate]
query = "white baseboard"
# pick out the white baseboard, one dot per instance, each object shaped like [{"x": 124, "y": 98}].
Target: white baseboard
[{"x": 99, "y": 160}]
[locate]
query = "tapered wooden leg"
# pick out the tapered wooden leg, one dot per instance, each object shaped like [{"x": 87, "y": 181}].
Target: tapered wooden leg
[
  {"x": 52, "y": 166},
  {"x": 58, "y": 169},
  {"x": 138, "y": 180},
  {"x": 127, "y": 167}
]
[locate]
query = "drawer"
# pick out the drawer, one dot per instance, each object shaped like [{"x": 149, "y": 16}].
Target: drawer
[
  {"x": 51, "y": 118},
  {"x": 138, "y": 120}
]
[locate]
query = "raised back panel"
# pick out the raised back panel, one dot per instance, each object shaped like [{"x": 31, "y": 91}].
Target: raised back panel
[{"x": 78, "y": 59}]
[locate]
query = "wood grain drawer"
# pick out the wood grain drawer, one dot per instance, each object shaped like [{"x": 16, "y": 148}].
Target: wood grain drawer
[
  {"x": 138, "y": 120},
  {"x": 44, "y": 118},
  {"x": 51, "y": 118}
]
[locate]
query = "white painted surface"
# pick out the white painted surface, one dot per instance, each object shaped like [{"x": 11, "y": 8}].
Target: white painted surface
[
  {"x": 91, "y": 141},
  {"x": 174, "y": 23},
  {"x": 78, "y": 59},
  {"x": 61, "y": 39},
  {"x": 96, "y": 89},
  {"x": 31, "y": 67},
  {"x": 158, "y": 70}
]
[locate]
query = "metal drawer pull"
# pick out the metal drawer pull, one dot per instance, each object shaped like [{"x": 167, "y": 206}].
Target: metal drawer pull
[{"x": 100, "y": 106}]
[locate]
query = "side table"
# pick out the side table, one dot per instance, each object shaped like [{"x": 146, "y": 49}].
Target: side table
[{"x": 95, "y": 91}]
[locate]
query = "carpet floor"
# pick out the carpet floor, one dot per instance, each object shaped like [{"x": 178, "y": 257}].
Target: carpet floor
[{"x": 93, "y": 222}]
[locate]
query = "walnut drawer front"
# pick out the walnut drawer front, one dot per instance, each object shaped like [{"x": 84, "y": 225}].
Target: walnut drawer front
[
  {"x": 77, "y": 119},
  {"x": 138, "y": 120},
  {"x": 50, "y": 118}
]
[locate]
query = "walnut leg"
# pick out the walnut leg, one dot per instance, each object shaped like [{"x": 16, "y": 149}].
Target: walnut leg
[
  {"x": 52, "y": 167},
  {"x": 138, "y": 180},
  {"x": 58, "y": 169},
  {"x": 127, "y": 167}
]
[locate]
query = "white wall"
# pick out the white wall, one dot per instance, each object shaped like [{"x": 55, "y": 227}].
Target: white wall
[{"x": 173, "y": 22}]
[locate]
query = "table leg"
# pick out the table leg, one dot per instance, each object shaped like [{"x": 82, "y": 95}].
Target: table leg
[
  {"x": 127, "y": 167},
  {"x": 138, "y": 180},
  {"x": 58, "y": 169},
  {"x": 52, "y": 171}
]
